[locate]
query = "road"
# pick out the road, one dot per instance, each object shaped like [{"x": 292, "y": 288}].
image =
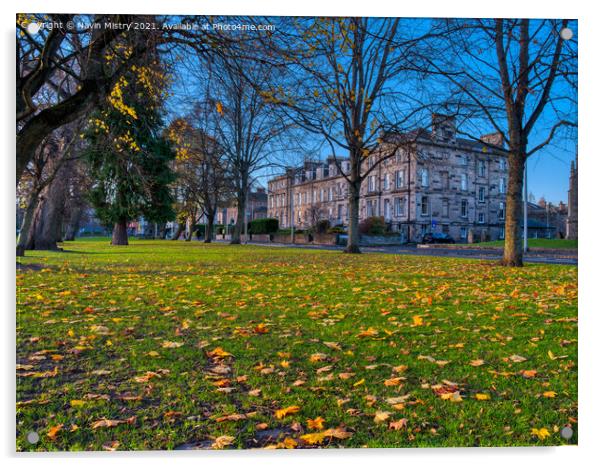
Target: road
[{"x": 486, "y": 254}]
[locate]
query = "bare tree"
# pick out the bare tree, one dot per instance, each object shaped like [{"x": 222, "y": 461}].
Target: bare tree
[
  {"x": 247, "y": 127},
  {"x": 203, "y": 178},
  {"x": 349, "y": 83},
  {"x": 506, "y": 72}
]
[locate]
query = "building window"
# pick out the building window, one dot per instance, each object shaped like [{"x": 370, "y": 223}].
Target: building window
[
  {"x": 464, "y": 208},
  {"x": 322, "y": 195},
  {"x": 481, "y": 194},
  {"x": 386, "y": 182},
  {"x": 424, "y": 205},
  {"x": 445, "y": 180},
  {"x": 502, "y": 211},
  {"x": 387, "y": 209},
  {"x": 445, "y": 208},
  {"x": 464, "y": 182},
  {"x": 463, "y": 232},
  {"x": 502, "y": 233},
  {"x": 330, "y": 194},
  {"x": 339, "y": 212},
  {"x": 371, "y": 183},
  {"x": 399, "y": 179},
  {"x": 399, "y": 206},
  {"x": 424, "y": 177},
  {"x": 502, "y": 185},
  {"x": 503, "y": 164},
  {"x": 481, "y": 217},
  {"x": 482, "y": 168},
  {"x": 445, "y": 229}
]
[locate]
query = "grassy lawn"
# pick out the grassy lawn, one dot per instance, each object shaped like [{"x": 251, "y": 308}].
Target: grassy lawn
[
  {"x": 163, "y": 343},
  {"x": 540, "y": 243}
]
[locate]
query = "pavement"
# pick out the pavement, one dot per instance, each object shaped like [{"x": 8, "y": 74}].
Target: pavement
[{"x": 539, "y": 257}]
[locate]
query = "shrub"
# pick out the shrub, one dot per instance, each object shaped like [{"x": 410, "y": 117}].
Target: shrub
[
  {"x": 322, "y": 226},
  {"x": 337, "y": 230},
  {"x": 199, "y": 230},
  {"x": 373, "y": 226},
  {"x": 263, "y": 226}
]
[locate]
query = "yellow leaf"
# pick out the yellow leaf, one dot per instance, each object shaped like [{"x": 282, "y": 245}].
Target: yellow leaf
[
  {"x": 482, "y": 396},
  {"x": 359, "y": 382},
  {"x": 77, "y": 403},
  {"x": 313, "y": 439},
  {"x": 171, "y": 344},
  {"x": 549, "y": 394},
  {"x": 218, "y": 353},
  {"x": 281, "y": 413},
  {"x": 370, "y": 332},
  {"x": 53, "y": 431},
  {"x": 477, "y": 362},
  {"x": 315, "y": 424},
  {"x": 381, "y": 416},
  {"x": 541, "y": 434},
  {"x": 454, "y": 397},
  {"x": 219, "y": 108},
  {"x": 393, "y": 381},
  {"x": 222, "y": 441},
  {"x": 417, "y": 321}
]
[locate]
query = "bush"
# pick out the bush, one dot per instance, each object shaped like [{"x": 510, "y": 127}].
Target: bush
[
  {"x": 263, "y": 226},
  {"x": 373, "y": 226},
  {"x": 199, "y": 230},
  {"x": 322, "y": 226},
  {"x": 337, "y": 230}
]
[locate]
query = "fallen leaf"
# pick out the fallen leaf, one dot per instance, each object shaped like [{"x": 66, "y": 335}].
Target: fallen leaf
[
  {"x": 541, "y": 434},
  {"x": 53, "y": 431},
  {"x": 398, "y": 425},
  {"x": 222, "y": 441},
  {"x": 315, "y": 424},
  {"x": 281, "y": 413},
  {"x": 381, "y": 416}
]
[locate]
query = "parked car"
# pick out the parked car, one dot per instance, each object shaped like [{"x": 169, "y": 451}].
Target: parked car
[{"x": 431, "y": 238}]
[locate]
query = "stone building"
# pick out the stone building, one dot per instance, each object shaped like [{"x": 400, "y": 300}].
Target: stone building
[
  {"x": 432, "y": 181},
  {"x": 572, "y": 218},
  {"x": 257, "y": 207}
]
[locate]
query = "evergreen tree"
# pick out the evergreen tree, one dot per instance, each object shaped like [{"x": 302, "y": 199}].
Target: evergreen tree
[{"x": 128, "y": 156}]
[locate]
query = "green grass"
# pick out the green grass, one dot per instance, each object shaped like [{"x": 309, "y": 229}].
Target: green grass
[
  {"x": 93, "y": 320},
  {"x": 539, "y": 243}
]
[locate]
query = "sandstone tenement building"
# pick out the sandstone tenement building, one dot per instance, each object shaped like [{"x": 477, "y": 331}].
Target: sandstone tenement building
[{"x": 434, "y": 182}]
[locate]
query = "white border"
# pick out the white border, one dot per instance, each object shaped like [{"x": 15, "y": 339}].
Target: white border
[{"x": 590, "y": 168}]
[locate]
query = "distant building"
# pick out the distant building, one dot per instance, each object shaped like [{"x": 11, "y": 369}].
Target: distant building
[
  {"x": 572, "y": 218},
  {"x": 437, "y": 182},
  {"x": 257, "y": 207},
  {"x": 545, "y": 220}
]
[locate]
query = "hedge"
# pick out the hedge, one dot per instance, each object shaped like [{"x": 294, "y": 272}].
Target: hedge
[{"x": 263, "y": 226}]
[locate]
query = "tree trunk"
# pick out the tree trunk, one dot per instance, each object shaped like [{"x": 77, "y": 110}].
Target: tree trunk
[
  {"x": 74, "y": 222},
  {"x": 190, "y": 230},
  {"x": 240, "y": 219},
  {"x": 178, "y": 232},
  {"x": 48, "y": 219},
  {"x": 26, "y": 225},
  {"x": 209, "y": 227},
  {"x": 353, "y": 233},
  {"x": 513, "y": 252},
  {"x": 120, "y": 234}
]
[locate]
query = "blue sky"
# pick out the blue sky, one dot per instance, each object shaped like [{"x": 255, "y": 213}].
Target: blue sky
[{"x": 548, "y": 169}]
